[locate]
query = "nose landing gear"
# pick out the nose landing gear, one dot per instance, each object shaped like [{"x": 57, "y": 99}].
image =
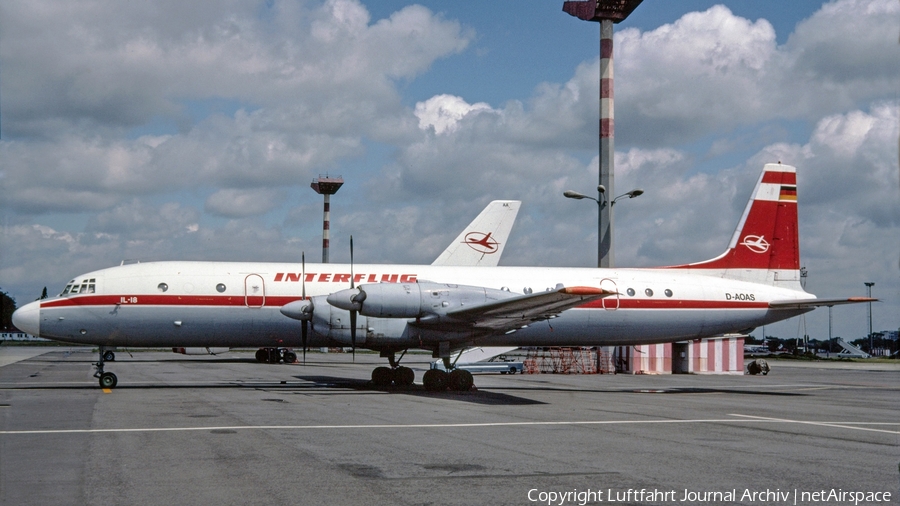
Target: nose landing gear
[{"x": 107, "y": 379}]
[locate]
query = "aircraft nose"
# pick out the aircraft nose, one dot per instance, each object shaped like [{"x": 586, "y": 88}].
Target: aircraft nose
[{"x": 28, "y": 318}]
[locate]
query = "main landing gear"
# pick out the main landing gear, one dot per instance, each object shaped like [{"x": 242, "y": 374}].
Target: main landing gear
[
  {"x": 451, "y": 377},
  {"x": 107, "y": 379},
  {"x": 396, "y": 374},
  {"x": 275, "y": 355},
  {"x": 436, "y": 380}
]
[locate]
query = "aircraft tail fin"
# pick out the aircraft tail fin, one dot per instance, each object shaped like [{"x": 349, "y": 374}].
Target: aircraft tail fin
[
  {"x": 765, "y": 247},
  {"x": 482, "y": 242}
]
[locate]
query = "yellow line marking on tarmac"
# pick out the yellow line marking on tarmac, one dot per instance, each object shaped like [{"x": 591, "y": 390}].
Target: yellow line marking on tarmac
[
  {"x": 107, "y": 391},
  {"x": 741, "y": 419}
]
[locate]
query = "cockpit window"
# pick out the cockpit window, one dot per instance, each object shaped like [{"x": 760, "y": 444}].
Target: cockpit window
[{"x": 86, "y": 286}]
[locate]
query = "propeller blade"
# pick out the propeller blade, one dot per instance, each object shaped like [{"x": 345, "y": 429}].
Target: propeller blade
[
  {"x": 303, "y": 338},
  {"x": 303, "y": 328},
  {"x": 353, "y": 334},
  {"x": 352, "y": 312}
]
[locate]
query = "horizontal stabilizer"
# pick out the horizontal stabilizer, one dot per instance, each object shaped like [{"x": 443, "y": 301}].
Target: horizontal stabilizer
[{"x": 814, "y": 303}]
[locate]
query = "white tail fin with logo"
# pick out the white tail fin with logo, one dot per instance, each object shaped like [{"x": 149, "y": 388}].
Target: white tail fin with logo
[{"x": 482, "y": 242}]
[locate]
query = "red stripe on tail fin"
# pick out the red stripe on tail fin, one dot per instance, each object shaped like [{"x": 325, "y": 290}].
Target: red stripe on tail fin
[{"x": 766, "y": 238}]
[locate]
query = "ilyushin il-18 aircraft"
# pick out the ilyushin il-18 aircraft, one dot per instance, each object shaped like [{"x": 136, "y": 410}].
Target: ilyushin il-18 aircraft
[{"x": 455, "y": 303}]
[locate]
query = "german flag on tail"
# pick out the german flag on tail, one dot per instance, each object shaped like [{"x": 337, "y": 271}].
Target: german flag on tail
[{"x": 788, "y": 192}]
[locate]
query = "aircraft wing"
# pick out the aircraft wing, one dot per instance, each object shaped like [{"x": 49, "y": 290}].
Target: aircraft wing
[
  {"x": 512, "y": 313},
  {"x": 814, "y": 303}
]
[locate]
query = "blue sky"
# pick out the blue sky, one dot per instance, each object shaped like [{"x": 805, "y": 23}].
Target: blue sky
[{"x": 192, "y": 131}]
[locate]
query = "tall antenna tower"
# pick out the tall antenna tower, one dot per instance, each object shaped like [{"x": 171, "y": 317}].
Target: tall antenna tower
[
  {"x": 326, "y": 186},
  {"x": 605, "y": 12}
]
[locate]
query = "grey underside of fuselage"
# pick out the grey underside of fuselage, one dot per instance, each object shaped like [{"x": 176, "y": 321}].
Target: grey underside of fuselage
[{"x": 162, "y": 326}]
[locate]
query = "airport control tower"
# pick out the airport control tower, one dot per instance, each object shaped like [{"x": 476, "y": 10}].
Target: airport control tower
[
  {"x": 606, "y": 12},
  {"x": 327, "y": 186}
]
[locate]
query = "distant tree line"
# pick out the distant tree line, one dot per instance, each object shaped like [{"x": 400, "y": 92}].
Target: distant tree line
[
  {"x": 795, "y": 346},
  {"x": 8, "y": 307}
]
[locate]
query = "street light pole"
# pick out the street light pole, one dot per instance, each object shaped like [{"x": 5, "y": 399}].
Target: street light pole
[
  {"x": 604, "y": 206},
  {"x": 869, "y": 286}
]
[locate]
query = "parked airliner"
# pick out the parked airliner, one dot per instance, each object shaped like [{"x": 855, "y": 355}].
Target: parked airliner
[{"x": 443, "y": 307}]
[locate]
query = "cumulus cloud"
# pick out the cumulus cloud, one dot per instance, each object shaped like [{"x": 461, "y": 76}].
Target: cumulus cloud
[
  {"x": 233, "y": 203},
  {"x": 444, "y": 112},
  {"x": 713, "y": 69}
]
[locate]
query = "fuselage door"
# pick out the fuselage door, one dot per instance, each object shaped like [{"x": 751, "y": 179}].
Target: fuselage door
[
  {"x": 254, "y": 291},
  {"x": 610, "y": 303}
]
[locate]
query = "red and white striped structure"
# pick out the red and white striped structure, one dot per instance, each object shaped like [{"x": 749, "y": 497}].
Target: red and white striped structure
[
  {"x": 716, "y": 356},
  {"x": 326, "y": 186},
  {"x": 607, "y": 143},
  {"x": 606, "y": 12},
  {"x": 644, "y": 359},
  {"x": 723, "y": 355}
]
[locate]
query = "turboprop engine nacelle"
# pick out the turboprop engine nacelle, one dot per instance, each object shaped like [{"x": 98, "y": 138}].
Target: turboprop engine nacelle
[{"x": 412, "y": 300}]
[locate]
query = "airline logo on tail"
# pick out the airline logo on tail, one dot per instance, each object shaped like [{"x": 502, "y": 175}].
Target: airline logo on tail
[
  {"x": 481, "y": 242},
  {"x": 756, "y": 243}
]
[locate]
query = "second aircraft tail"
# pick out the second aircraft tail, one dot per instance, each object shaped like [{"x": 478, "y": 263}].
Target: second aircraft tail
[{"x": 482, "y": 242}]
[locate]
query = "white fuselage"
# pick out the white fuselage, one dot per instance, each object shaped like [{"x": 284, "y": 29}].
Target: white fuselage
[{"x": 201, "y": 304}]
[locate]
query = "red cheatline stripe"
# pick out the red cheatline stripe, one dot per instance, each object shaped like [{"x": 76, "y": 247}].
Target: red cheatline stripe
[
  {"x": 278, "y": 301},
  {"x": 673, "y": 304},
  {"x": 166, "y": 300}
]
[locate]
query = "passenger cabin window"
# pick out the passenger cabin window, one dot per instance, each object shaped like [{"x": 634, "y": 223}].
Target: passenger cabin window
[
  {"x": 220, "y": 287},
  {"x": 668, "y": 292},
  {"x": 630, "y": 292},
  {"x": 162, "y": 287},
  {"x": 649, "y": 292}
]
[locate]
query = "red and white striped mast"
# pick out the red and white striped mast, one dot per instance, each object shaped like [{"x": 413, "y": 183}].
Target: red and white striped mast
[
  {"x": 606, "y": 12},
  {"x": 326, "y": 186}
]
